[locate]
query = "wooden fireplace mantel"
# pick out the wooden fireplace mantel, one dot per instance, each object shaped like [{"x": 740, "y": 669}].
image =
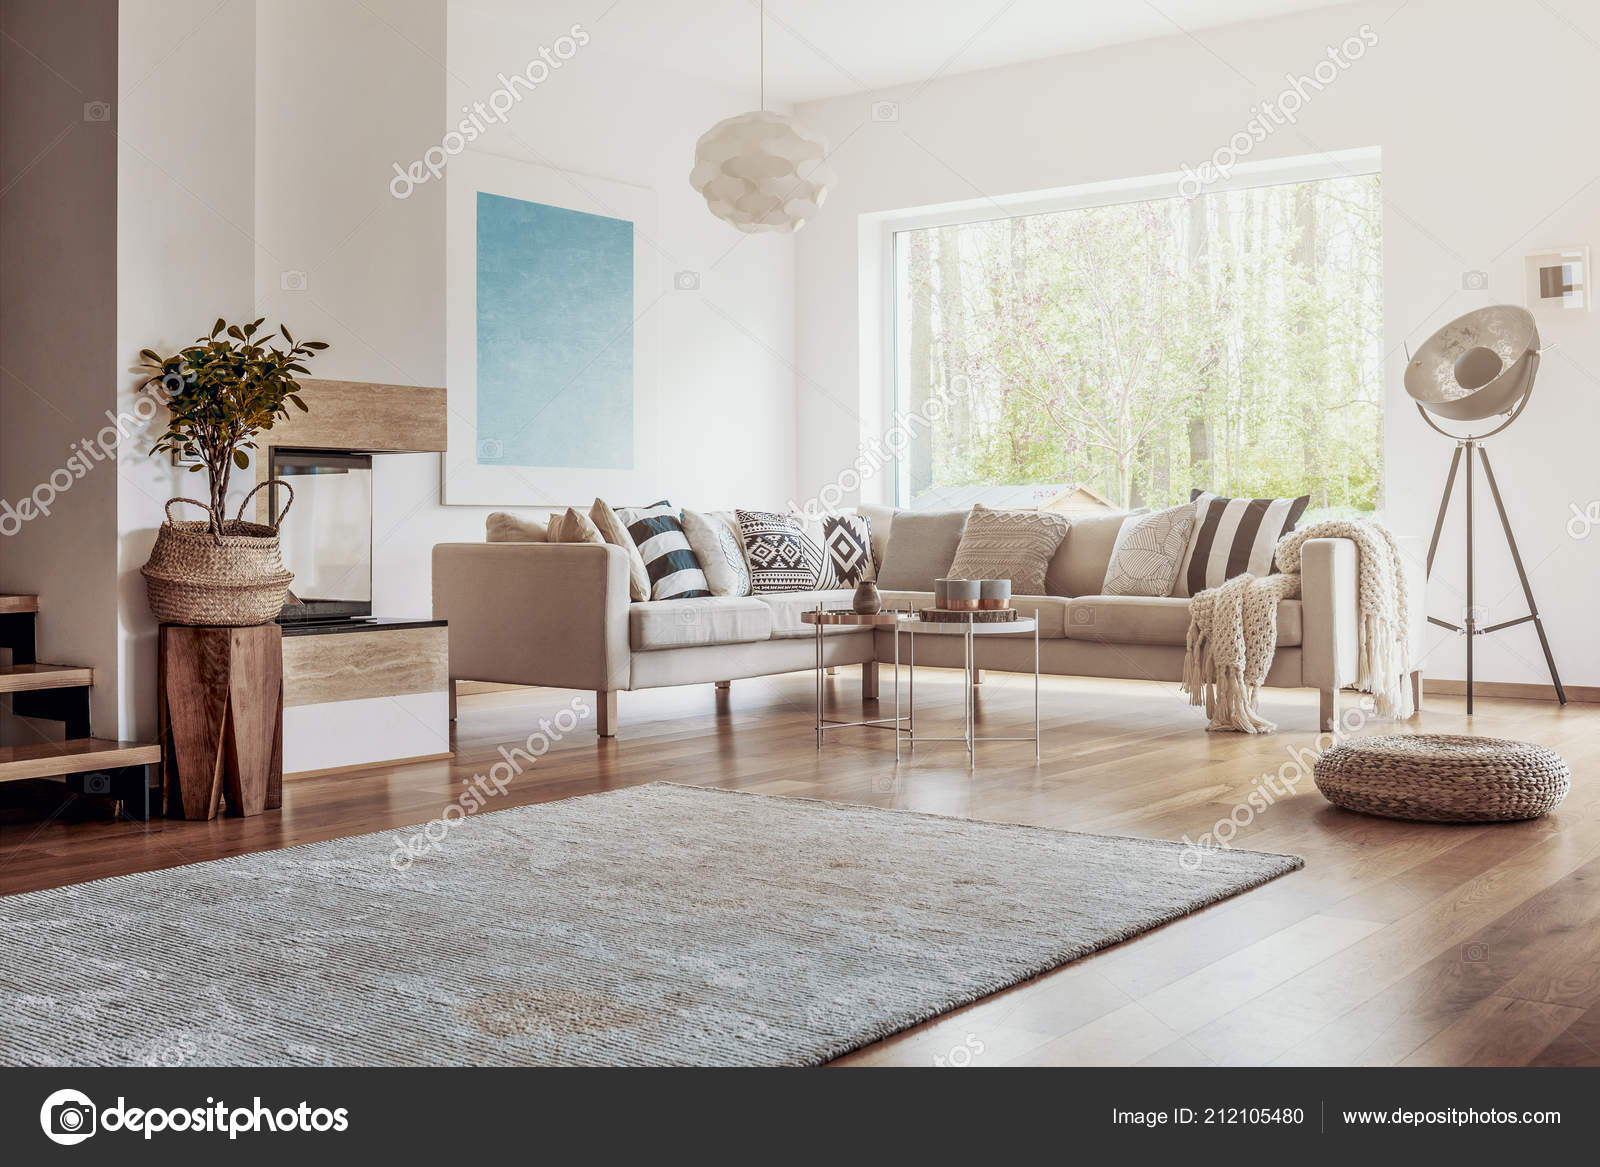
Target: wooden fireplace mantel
[{"x": 365, "y": 416}]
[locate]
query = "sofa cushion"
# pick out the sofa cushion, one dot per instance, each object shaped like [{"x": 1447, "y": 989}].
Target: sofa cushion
[
  {"x": 1149, "y": 552},
  {"x": 1051, "y": 611},
  {"x": 1232, "y": 536},
  {"x": 786, "y": 608},
  {"x": 1011, "y": 545},
  {"x": 781, "y": 555},
  {"x": 504, "y": 528},
  {"x": 922, "y": 545},
  {"x": 882, "y": 520},
  {"x": 703, "y": 620},
  {"x": 617, "y": 535},
  {"x": 720, "y": 553},
  {"x": 1078, "y": 567},
  {"x": 1160, "y": 620}
]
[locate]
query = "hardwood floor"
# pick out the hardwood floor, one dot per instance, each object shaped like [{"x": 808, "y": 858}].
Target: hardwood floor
[{"x": 1399, "y": 943}]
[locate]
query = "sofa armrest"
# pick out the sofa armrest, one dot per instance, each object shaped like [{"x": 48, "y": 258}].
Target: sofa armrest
[
  {"x": 1330, "y": 620},
  {"x": 552, "y": 614}
]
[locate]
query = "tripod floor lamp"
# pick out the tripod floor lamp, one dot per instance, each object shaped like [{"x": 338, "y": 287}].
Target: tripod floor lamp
[{"x": 1480, "y": 368}]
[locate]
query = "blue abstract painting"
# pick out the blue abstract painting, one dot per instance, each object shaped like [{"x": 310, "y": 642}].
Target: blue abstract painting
[{"x": 555, "y": 336}]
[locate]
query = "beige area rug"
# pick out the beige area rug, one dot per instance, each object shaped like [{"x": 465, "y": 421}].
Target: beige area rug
[{"x": 660, "y": 925}]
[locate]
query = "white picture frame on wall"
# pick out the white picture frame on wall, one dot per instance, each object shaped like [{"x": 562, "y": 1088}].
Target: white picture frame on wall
[
  {"x": 548, "y": 403},
  {"x": 1556, "y": 281}
]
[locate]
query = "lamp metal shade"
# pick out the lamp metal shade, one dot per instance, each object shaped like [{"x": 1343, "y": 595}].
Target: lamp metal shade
[{"x": 1478, "y": 365}]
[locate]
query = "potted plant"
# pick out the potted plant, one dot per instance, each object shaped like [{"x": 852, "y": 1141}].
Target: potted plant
[{"x": 221, "y": 391}]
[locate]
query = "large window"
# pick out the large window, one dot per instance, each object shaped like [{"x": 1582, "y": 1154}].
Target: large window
[{"x": 1127, "y": 353}]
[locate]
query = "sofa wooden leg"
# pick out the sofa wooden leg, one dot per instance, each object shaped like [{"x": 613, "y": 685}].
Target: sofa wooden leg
[
  {"x": 1416, "y": 690},
  {"x": 605, "y": 710},
  {"x": 977, "y": 676},
  {"x": 869, "y": 681},
  {"x": 1329, "y": 713},
  {"x": 452, "y": 698}
]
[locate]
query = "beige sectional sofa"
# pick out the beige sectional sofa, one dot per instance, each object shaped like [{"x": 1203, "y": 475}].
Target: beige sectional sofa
[{"x": 559, "y": 615}]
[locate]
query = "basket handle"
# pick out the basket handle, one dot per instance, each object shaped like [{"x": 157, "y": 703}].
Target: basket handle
[
  {"x": 271, "y": 482},
  {"x": 191, "y": 501}
]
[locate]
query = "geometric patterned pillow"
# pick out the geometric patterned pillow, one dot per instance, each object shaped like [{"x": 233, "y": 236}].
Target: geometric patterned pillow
[
  {"x": 668, "y": 559},
  {"x": 1232, "y": 536},
  {"x": 847, "y": 550},
  {"x": 1149, "y": 552},
  {"x": 781, "y": 558}
]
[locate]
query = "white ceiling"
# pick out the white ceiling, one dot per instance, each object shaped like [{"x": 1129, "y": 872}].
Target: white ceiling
[{"x": 826, "y": 48}]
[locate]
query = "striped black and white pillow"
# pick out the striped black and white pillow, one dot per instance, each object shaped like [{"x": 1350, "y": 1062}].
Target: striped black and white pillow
[
  {"x": 658, "y": 533},
  {"x": 1233, "y": 536}
]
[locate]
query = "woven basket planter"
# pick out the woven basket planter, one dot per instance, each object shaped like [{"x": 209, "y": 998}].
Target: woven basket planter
[
  {"x": 234, "y": 580},
  {"x": 1443, "y": 778}
]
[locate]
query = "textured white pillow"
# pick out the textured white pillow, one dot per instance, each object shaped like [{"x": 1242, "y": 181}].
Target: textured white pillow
[
  {"x": 1149, "y": 552},
  {"x": 717, "y": 548}
]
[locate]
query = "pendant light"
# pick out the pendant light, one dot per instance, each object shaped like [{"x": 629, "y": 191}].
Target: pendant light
[{"x": 762, "y": 171}]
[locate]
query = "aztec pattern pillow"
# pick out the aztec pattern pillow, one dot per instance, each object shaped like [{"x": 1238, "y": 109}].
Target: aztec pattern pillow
[
  {"x": 781, "y": 558},
  {"x": 1234, "y": 535},
  {"x": 846, "y": 550},
  {"x": 1149, "y": 552},
  {"x": 1014, "y": 545},
  {"x": 717, "y": 548},
  {"x": 668, "y": 559}
]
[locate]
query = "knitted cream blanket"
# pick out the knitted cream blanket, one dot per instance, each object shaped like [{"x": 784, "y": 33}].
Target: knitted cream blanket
[{"x": 1233, "y": 629}]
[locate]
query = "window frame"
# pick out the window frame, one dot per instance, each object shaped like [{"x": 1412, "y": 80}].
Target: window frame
[{"x": 880, "y": 323}]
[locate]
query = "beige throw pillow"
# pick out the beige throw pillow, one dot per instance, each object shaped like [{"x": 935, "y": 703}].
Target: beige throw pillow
[
  {"x": 1149, "y": 552},
  {"x": 616, "y": 533},
  {"x": 577, "y": 527},
  {"x": 504, "y": 528},
  {"x": 1014, "y": 545}
]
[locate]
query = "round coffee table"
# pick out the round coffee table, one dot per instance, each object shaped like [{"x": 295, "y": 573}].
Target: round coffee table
[
  {"x": 821, "y": 619},
  {"x": 969, "y": 630}
]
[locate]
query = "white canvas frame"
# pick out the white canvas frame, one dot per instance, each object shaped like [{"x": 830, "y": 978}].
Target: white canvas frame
[{"x": 463, "y": 481}]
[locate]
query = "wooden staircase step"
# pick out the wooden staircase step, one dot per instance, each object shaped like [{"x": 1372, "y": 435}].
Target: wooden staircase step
[
  {"x": 18, "y": 604},
  {"x": 74, "y": 756},
  {"x": 17, "y": 678}
]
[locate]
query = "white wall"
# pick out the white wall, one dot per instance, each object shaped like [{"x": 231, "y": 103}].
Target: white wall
[
  {"x": 344, "y": 93},
  {"x": 1481, "y": 119},
  {"x": 185, "y": 196}
]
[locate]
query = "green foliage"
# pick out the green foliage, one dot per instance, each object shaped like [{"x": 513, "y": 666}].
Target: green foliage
[
  {"x": 222, "y": 391},
  {"x": 1231, "y": 343}
]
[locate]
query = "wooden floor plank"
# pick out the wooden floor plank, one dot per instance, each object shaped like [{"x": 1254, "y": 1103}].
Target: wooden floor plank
[{"x": 1358, "y": 958}]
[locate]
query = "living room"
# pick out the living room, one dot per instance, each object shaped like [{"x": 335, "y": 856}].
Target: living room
[{"x": 1111, "y": 457}]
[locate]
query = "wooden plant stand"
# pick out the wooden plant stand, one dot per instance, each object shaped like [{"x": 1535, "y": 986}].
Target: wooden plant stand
[{"x": 221, "y": 711}]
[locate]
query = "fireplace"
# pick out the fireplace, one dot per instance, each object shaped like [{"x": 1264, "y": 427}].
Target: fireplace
[{"x": 328, "y": 542}]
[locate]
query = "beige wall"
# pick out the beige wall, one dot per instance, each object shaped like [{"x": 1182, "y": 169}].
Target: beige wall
[{"x": 58, "y": 325}]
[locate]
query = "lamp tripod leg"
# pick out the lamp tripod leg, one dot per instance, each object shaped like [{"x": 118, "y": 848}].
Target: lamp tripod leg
[
  {"x": 1522, "y": 574},
  {"x": 1444, "y": 507},
  {"x": 1471, "y": 622}
]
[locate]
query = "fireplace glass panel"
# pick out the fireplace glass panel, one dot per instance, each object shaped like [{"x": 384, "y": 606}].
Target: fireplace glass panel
[{"x": 327, "y": 538}]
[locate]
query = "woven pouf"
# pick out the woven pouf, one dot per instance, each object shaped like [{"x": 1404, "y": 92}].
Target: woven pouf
[{"x": 1437, "y": 778}]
